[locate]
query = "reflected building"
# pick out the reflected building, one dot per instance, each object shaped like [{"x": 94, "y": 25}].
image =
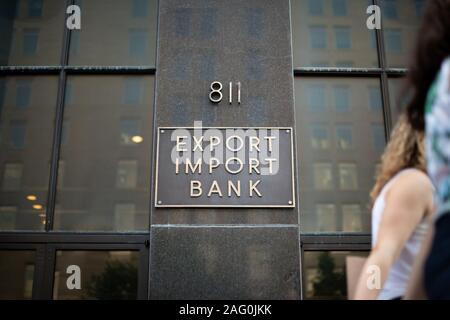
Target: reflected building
[{"x": 340, "y": 137}]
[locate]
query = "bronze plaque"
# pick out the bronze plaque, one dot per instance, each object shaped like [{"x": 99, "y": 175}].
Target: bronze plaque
[{"x": 225, "y": 167}]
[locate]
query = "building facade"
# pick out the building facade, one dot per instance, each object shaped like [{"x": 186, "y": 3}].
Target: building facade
[{"x": 80, "y": 112}]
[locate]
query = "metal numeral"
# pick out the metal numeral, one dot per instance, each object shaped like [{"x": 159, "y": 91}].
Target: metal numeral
[{"x": 216, "y": 95}]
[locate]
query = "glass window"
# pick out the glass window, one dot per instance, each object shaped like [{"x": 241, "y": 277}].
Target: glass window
[
  {"x": 325, "y": 273},
  {"x": 75, "y": 36},
  {"x": 104, "y": 275},
  {"x": 389, "y": 9},
  {"x": 396, "y": 101},
  {"x": 133, "y": 91},
  {"x": 343, "y": 37},
  {"x": 140, "y": 8},
  {"x": 12, "y": 176},
  {"x": 124, "y": 216},
  {"x": 7, "y": 217},
  {"x": 326, "y": 217},
  {"x": 35, "y": 41},
  {"x": 35, "y": 8},
  {"x": 316, "y": 98},
  {"x": 17, "y": 134},
  {"x": 375, "y": 103},
  {"x": 400, "y": 26},
  {"x": 339, "y": 8},
  {"x": 348, "y": 176},
  {"x": 23, "y": 93},
  {"x": 27, "y": 113},
  {"x": 351, "y": 218},
  {"x": 319, "y": 36},
  {"x": 315, "y": 7},
  {"x": 323, "y": 176},
  {"x": 16, "y": 274},
  {"x": 131, "y": 42},
  {"x": 101, "y": 169},
  {"x": 378, "y": 137},
  {"x": 127, "y": 174},
  {"x": 373, "y": 40},
  {"x": 344, "y": 136},
  {"x": 30, "y": 41},
  {"x": 138, "y": 43},
  {"x": 329, "y": 173},
  {"x": 342, "y": 98},
  {"x": 130, "y": 132},
  {"x": 393, "y": 38},
  {"x": 68, "y": 93},
  {"x": 319, "y": 136}
]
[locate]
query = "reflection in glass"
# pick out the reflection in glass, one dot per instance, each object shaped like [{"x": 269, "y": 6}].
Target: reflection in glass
[
  {"x": 323, "y": 176},
  {"x": 348, "y": 176},
  {"x": 343, "y": 37},
  {"x": 316, "y": 98},
  {"x": 27, "y": 111},
  {"x": 115, "y": 33},
  {"x": 337, "y": 162},
  {"x": 396, "y": 101},
  {"x": 378, "y": 137},
  {"x": 339, "y": 8},
  {"x": 344, "y": 136},
  {"x": 315, "y": 7},
  {"x": 319, "y": 136},
  {"x": 325, "y": 274},
  {"x": 328, "y": 33},
  {"x": 389, "y": 9},
  {"x": 351, "y": 216},
  {"x": 400, "y": 27},
  {"x": 31, "y": 32},
  {"x": 107, "y": 157},
  {"x": 326, "y": 214},
  {"x": 342, "y": 97},
  {"x": 16, "y": 273},
  {"x": 105, "y": 275}
]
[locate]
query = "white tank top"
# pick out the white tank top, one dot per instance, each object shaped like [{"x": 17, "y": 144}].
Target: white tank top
[{"x": 397, "y": 280}]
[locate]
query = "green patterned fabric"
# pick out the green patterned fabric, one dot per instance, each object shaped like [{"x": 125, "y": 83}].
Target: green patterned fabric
[{"x": 437, "y": 124}]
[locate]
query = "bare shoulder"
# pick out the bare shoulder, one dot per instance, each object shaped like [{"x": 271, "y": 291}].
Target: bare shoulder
[
  {"x": 413, "y": 185},
  {"x": 414, "y": 179}
]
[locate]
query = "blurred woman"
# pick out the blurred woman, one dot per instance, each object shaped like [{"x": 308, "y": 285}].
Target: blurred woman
[
  {"x": 402, "y": 199},
  {"x": 430, "y": 108}
]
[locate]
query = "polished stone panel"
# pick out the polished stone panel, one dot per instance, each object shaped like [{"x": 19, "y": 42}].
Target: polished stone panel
[
  {"x": 203, "y": 41},
  {"x": 224, "y": 253},
  {"x": 235, "y": 40},
  {"x": 224, "y": 263}
]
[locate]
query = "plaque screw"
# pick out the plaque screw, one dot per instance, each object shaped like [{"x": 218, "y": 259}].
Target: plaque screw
[
  {"x": 290, "y": 202},
  {"x": 287, "y": 131},
  {"x": 162, "y": 131},
  {"x": 159, "y": 202}
]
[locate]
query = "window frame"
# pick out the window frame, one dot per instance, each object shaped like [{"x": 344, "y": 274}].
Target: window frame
[
  {"x": 349, "y": 241},
  {"x": 46, "y": 242}
]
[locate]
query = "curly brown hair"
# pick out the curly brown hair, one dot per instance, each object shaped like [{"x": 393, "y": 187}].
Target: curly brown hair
[
  {"x": 432, "y": 47},
  {"x": 406, "y": 149}
]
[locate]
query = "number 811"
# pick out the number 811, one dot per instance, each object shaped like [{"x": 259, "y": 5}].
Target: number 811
[{"x": 216, "y": 95}]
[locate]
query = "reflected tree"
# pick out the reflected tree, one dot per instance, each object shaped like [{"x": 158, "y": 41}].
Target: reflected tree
[
  {"x": 118, "y": 281},
  {"x": 329, "y": 283}
]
